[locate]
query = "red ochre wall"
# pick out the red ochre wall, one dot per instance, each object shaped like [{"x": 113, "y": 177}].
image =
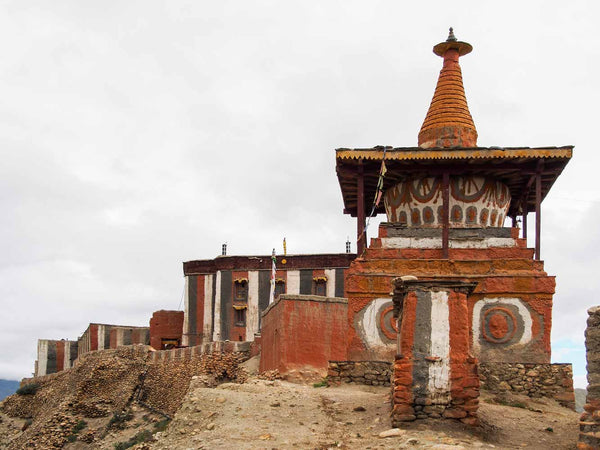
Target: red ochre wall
[
  {"x": 165, "y": 325},
  {"x": 60, "y": 355},
  {"x": 302, "y": 332},
  {"x": 508, "y": 272}
]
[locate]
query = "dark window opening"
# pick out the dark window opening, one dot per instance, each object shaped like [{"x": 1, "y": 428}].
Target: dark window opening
[
  {"x": 241, "y": 290},
  {"x": 319, "y": 286},
  {"x": 240, "y": 317},
  {"x": 279, "y": 288},
  {"x": 167, "y": 344}
]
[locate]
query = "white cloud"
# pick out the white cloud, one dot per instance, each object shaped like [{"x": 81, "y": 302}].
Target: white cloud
[{"x": 138, "y": 135}]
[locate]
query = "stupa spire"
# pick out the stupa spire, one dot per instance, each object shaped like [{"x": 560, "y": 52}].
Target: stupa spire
[{"x": 448, "y": 122}]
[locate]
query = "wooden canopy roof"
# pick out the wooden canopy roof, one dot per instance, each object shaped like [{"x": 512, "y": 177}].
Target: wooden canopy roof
[{"x": 515, "y": 166}]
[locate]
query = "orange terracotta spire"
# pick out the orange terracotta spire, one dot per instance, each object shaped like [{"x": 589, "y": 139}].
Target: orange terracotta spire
[{"x": 448, "y": 122}]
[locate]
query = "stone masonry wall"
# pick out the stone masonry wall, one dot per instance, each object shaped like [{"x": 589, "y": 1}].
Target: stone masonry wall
[
  {"x": 375, "y": 373},
  {"x": 164, "y": 376},
  {"x": 589, "y": 425},
  {"x": 534, "y": 380}
]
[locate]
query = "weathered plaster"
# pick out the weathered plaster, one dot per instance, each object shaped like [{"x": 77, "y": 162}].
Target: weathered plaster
[
  {"x": 252, "y": 315},
  {"x": 439, "y": 371},
  {"x": 293, "y": 282},
  {"x": 524, "y": 313},
  {"x": 406, "y": 242},
  {"x": 217, "y": 330},
  {"x": 185, "y": 340},
  {"x": 208, "y": 293},
  {"x": 330, "y": 290}
]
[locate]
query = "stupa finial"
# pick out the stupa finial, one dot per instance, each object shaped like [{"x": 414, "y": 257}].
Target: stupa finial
[
  {"x": 451, "y": 37},
  {"x": 448, "y": 122}
]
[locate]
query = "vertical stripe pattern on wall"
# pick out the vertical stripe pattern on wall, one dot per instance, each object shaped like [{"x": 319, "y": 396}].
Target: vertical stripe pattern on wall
[
  {"x": 306, "y": 282},
  {"x": 264, "y": 289},
  {"x": 330, "y": 274},
  {"x": 217, "y": 309},
  {"x": 186, "y": 311},
  {"x": 42, "y": 357},
  {"x": 191, "y": 312},
  {"x": 252, "y": 312},
  {"x": 439, "y": 371},
  {"x": 421, "y": 344},
  {"x": 51, "y": 367},
  {"x": 339, "y": 282},
  {"x": 226, "y": 304},
  {"x": 293, "y": 282},
  {"x": 208, "y": 308}
]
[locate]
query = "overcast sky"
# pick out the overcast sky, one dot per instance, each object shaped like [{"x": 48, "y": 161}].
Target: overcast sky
[{"x": 138, "y": 135}]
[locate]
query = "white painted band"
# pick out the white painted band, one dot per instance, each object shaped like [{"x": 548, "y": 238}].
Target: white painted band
[{"x": 422, "y": 243}]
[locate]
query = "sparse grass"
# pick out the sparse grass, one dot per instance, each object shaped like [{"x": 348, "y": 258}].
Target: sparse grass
[
  {"x": 162, "y": 425},
  {"x": 118, "y": 420},
  {"x": 80, "y": 425},
  {"x": 322, "y": 383},
  {"x": 506, "y": 402},
  {"x": 28, "y": 389},
  {"x": 142, "y": 436}
]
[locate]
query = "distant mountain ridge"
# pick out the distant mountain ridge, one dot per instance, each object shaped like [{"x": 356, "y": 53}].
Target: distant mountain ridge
[
  {"x": 8, "y": 387},
  {"x": 580, "y": 397}
]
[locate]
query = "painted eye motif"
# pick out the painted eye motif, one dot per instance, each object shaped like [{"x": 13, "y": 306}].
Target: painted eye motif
[{"x": 376, "y": 324}]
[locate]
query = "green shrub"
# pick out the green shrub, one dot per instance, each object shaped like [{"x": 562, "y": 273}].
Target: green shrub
[
  {"x": 323, "y": 383},
  {"x": 118, "y": 419},
  {"x": 28, "y": 389},
  {"x": 79, "y": 426},
  {"x": 162, "y": 425},
  {"x": 142, "y": 436}
]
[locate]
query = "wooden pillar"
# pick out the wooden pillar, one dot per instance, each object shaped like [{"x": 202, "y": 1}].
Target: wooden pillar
[
  {"x": 538, "y": 214},
  {"x": 445, "y": 214},
  {"x": 361, "y": 238}
]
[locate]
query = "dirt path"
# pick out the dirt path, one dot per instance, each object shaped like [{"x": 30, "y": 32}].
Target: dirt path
[{"x": 277, "y": 415}]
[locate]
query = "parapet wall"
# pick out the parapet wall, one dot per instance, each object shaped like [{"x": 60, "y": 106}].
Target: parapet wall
[{"x": 534, "y": 380}]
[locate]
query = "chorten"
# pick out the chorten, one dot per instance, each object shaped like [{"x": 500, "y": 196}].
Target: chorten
[
  {"x": 467, "y": 290},
  {"x": 447, "y": 201}
]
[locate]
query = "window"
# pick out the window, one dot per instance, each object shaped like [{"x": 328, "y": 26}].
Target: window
[
  {"x": 319, "y": 286},
  {"x": 240, "y": 317},
  {"x": 279, "y": 287},
  {"x": 167, "y": 344},
  {"x": 241, "y": 290}
]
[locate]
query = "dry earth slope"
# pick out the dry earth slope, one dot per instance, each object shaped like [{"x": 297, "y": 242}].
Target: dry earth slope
[{"x": 96, "y": 406}]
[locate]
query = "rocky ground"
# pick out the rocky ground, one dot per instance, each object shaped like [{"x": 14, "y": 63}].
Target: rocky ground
[
  {"x": 262, "y": 414},
  {"x": 97, "y": 406}
]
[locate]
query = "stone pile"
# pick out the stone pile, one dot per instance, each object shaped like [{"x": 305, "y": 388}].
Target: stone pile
[
  {"x": 166, "y": 382},
  {"x": 105, "y": 383},
  {"x": 375, "y": 373},
  {"x": 462, "y": 403},
  {"x": 534, "y": 380},
  {"x": 589, "y": 425}
]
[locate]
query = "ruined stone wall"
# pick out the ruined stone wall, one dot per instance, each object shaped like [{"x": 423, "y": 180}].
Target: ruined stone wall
[
  {"x": 534, "y": 380},
  {"x": 160, "y": 379},
  {"x": 169, "y": 372},
  {"x": 589, "y": 425},
  {"x": 375, "y": 373}
]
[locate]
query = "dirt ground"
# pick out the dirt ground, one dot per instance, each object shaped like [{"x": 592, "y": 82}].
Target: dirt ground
[{"x": 263, "y": 414}]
